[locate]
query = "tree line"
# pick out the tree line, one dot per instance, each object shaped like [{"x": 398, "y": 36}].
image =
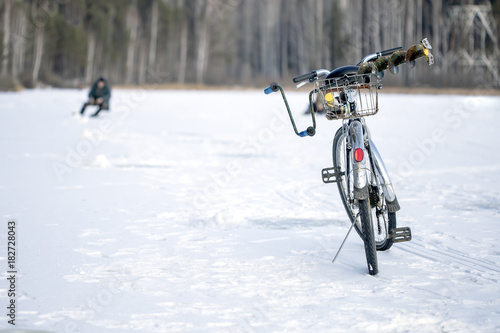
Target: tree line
[{"x": 216, "y": 42}]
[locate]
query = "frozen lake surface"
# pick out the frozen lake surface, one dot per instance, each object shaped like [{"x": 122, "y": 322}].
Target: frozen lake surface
[{"x": 201, "y": 211}]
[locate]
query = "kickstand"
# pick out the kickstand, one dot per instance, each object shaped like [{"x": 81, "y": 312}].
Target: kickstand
[{"x": 342, "y": 245}]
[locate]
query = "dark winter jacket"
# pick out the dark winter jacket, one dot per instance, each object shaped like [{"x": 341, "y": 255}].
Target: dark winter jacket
[{"x": 104, "y": 93}]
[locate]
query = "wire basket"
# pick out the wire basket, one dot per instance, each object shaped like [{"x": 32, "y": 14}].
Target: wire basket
[{"x": 350, "y": 96}]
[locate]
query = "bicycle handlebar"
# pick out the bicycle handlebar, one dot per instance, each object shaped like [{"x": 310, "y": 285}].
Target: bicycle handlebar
[{"x": 314, "y": 75}]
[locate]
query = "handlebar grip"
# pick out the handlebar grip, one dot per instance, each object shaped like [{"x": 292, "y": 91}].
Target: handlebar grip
[
  {"x": 310, "y": 131},
  {"x": 268, "y": 90},
  {"x": 304, "y": 77},
  {"x": 272, "y": 88}
]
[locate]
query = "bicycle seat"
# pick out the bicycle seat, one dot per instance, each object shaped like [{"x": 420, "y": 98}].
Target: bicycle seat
[{"x": 341, "y": 71}]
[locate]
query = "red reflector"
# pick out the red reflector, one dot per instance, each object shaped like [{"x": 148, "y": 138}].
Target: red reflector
[{"x": 358, "y": 155}]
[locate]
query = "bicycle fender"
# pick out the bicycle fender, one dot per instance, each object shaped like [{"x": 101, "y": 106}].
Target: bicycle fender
[{"x": 359, "y": 171}]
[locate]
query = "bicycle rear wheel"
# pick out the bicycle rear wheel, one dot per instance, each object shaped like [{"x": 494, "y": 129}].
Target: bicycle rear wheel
[
  {"x": 343, "y": 167},
  {"x": 383, "y": 220}
]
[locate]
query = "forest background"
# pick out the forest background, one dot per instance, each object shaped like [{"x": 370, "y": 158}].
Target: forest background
[{"x": 69, "y": 43}]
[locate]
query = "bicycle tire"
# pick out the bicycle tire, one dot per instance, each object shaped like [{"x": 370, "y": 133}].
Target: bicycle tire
[
  {"x": 365, "y": 216},
  {"x": 386, "y": 242},
  {"x": 386, "y": 221}
]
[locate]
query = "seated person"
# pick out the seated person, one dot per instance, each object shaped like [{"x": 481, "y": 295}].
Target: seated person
[{"x": 98, "y": 95}]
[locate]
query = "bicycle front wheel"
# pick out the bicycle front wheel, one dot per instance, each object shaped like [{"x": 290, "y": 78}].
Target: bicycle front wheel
[
  {"x": 359, "y": 211},
  {"x": 369, "y": 238}
]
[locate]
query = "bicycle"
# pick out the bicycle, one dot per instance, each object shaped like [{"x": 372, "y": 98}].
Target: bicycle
[{"x": 350, "y": 93}]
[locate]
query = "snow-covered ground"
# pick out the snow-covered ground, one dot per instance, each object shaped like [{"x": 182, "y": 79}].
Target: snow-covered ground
[{"x": 201, "y": 211}]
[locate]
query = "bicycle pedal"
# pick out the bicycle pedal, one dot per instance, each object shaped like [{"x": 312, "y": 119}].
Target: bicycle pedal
[
  {"x": 401, "y": 234},
  {"x": 329, "y": 176}
]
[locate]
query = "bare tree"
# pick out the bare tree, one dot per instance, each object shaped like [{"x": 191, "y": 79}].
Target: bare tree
[
  {"x": 204, "y": 9},
  {"x": 153, "y": 36},
  {"x": 181, "y": 77},
  {"x": 6, "y": 35},
  {"x": 39, "y": 41},
  {"x": 89, "y": 68},
  {"x": 133, "y": 24},
  {"x": 18, "y": 41}
]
